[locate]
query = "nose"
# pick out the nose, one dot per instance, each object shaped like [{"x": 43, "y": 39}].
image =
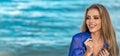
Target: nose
[{"x": 91, "y": 20}]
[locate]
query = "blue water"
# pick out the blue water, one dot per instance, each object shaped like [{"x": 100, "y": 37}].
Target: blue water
[{"x": 45, "y": 27}]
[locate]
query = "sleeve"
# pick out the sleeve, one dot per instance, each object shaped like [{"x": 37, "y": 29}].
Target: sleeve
[{"x": 76, "y": 48}]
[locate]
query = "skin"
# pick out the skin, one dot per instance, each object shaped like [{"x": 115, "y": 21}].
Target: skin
[{"x": 94, "y": 44}]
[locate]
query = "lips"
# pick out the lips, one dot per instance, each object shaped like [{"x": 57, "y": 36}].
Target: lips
[{"x": 92, "y": 26}]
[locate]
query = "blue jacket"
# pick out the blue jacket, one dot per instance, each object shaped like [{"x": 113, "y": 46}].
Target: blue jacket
[{"x": 77, "y": 47}]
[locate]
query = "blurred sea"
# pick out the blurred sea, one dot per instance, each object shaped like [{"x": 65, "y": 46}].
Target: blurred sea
[{"x": 45, "y": 27}]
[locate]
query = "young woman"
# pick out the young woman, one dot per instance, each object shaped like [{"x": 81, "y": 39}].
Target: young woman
[{"x": 97, "y": 37}]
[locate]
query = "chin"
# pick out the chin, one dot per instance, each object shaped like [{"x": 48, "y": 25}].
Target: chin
[{"x": 92, "y": 31}]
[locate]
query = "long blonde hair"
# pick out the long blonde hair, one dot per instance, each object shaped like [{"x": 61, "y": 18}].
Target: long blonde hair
[{"x": 106, "y": 28}]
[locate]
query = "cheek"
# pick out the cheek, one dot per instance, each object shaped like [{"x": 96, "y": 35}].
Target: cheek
[
  {"x": 99, "y": 23},
  {"x": 86, "y": 21}
]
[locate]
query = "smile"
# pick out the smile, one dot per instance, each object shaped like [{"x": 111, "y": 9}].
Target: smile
[{"x": 92, "y": 26}]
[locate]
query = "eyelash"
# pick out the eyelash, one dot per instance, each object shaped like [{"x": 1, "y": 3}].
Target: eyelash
[
  {"x": 87, "y": 18},
  {"x": 94, "y": 18}
]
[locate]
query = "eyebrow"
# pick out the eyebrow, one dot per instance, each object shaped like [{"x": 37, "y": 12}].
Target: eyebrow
[
  {"x": 96, "y": 15},
  {"x": 87, "y": 16},
  {"x": 93, "y": 15}
]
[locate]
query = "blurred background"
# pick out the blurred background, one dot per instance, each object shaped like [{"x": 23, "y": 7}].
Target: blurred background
[{"x": 45, "y": 27}]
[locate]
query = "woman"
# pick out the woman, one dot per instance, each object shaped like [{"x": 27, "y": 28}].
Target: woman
[{"x": 97, "y": 37}]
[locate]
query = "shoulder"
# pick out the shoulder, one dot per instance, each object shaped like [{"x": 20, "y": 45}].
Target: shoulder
[
  {"x": 77, "y": 47},
  {"x": 81, "y": 36}
]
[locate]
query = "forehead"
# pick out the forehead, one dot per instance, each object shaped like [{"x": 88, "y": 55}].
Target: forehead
[{"x": 93, "y": 11}]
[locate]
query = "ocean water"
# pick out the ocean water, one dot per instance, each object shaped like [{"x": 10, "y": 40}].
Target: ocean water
[{"x": 45, "y": 27}]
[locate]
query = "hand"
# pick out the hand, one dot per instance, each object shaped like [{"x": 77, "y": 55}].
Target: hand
[
  {"x": 103, "y": 52},
  {"x": 89, "y": 45}
]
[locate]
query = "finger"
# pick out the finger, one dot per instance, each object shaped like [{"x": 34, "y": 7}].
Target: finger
[
  {"x": 87, "y": 41},
  {"x": 101, "y": 53},
  {"x": 98, "y": 54},
  {"x": 91, "y": 44},
  {"x": 106, "y": 52}
]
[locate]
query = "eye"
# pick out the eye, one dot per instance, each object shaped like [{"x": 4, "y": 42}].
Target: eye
[
  {"x": 96, "y": 17},
  {"x": 87, "y": 17}
]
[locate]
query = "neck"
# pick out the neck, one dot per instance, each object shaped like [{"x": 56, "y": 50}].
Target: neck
[{"x": 96, "y": 36}]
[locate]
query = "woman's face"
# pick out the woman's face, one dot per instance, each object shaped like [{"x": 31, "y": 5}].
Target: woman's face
[{"x": 93, "y": 20}]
